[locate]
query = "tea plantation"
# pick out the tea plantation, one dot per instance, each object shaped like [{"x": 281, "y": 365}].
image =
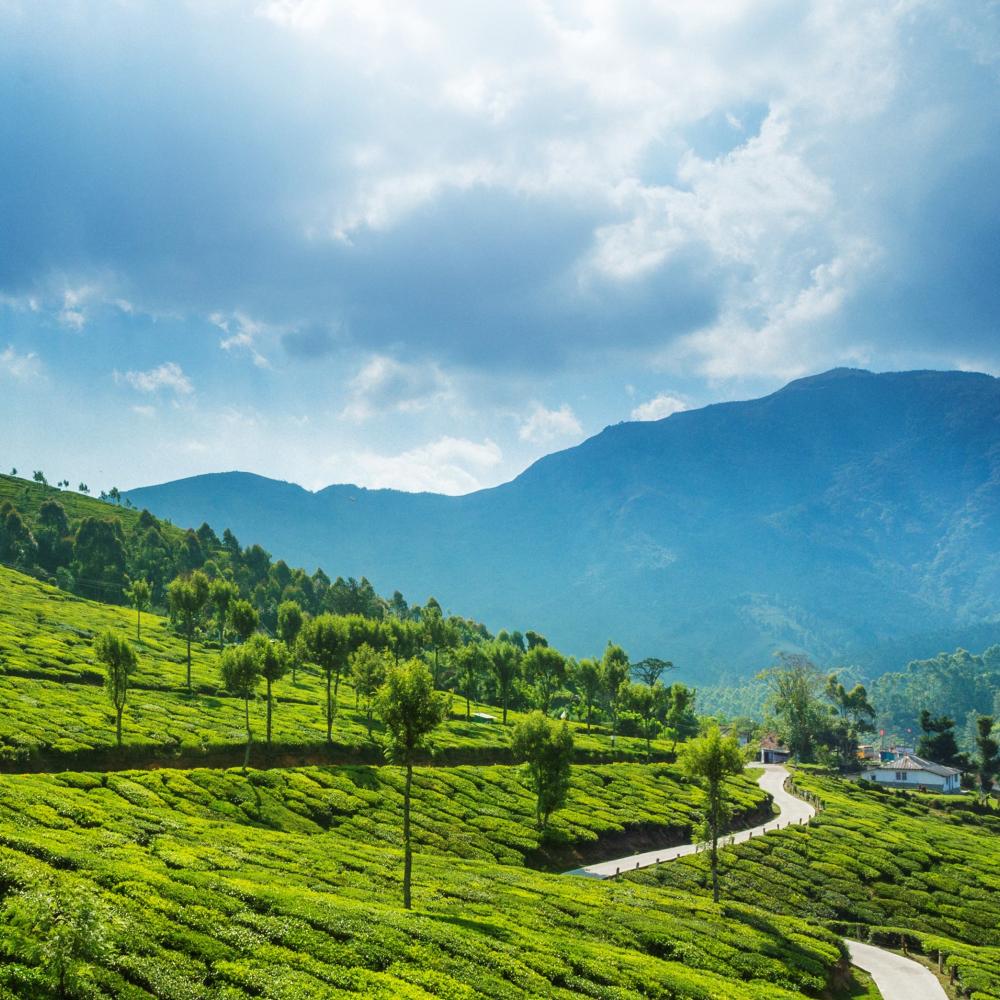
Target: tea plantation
[
  {"x": 902, "y": 866},
  {"x": 285, "y": 882},
  {"x": 63, "y": 718},
  {"x": 211, "y": 907},
  {"x": 485, "y": 813}
]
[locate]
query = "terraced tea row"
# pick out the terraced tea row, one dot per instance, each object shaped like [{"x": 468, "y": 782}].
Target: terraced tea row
[
  {"x": 470, "y": 812},
  {"x": 903, "y": 867},
  {"x": 212, "y": 908}
]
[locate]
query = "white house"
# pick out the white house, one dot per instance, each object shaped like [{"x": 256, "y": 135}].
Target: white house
[{"x": 911, "y": 771}]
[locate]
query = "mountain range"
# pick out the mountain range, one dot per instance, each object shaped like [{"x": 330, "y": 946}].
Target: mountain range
[{"x": 851, "y": 515}]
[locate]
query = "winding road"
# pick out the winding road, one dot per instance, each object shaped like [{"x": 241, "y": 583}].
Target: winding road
[
  {"x": 896, "y": 977},
  {"x": 793, "y": 811}
]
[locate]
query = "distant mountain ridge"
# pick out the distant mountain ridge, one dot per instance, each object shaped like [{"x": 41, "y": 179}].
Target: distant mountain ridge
[{"x": 849, "y": 514}]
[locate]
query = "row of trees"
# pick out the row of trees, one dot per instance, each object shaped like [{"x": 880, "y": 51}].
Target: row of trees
[{"x": 510, "y": 671}]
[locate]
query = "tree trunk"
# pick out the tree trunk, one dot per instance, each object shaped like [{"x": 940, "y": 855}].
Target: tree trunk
[
  {"x": 590, "y": 712},
  {"x": 222, "y": 626},
  {"x": 269, "y": 711},
  {"x": 119, "y": 723},
  {"x": 138, "y": 624},
  {"x": 468, "y": 710},
  {"x": 246, "y": 716},
  {"x": 714, "y": 793},
  {"x": 189, "y": 660},
  {"x": 407, "y": 853},
  {"x": 505, "y": 707},
  {"x": 329, "y": 711}
]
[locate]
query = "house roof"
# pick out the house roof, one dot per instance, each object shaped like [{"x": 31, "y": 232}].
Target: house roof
[
  {"x": 911, "y": 762},
  {"x": 771, "y": 742}
]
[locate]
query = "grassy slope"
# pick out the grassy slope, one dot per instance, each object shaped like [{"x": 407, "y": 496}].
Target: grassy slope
[
  {"x": 223, "y": 908},
  {"x": 486, "y": 813},
  {"x": 47, "y": 671},
  {"x": 920, "y": 866}
]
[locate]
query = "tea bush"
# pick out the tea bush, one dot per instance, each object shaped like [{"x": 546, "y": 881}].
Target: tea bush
[{"x": 898, "y": 866}]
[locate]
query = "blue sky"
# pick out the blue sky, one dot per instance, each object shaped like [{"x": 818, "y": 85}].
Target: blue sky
[{"x": 420, "y": 245}]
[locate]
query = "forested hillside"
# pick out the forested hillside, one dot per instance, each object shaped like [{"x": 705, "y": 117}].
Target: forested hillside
[{"x": 850, "y": 515}]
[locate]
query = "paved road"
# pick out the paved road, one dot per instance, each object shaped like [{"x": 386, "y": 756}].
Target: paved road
[
  {"x": 772, "y": 780},
  {"x": 896, "y": 977}
]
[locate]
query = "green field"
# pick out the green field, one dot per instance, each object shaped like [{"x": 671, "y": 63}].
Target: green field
[
  {"x": 285, "y": 882},
  {"x": 895, "y": 865},
  {"x": 48, "y": 674},
  {"x": 213, "y": 904}
]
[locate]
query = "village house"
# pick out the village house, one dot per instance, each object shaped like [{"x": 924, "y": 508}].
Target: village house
[
  {"x": 772, "y": 751},
  {"x": 910, "y": 771}
]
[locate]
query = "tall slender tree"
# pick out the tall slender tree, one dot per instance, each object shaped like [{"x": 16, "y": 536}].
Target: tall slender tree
[
  {"x": 272, "y": 662},
  {"x": 290, "y": 620},
  {"x": 710, "y": 759},
  {"x": 546, "y": 748},
  {"x": 325, "y": 642},
  {"x": 545, "y": 669},
  {"x": 222, "y": 594},
  {"x": 614, "y": 683},
  {"x": 140, "y": 594},
  {"x": 472, "y": 663},
  {"x": 505, "y": 658},
  {"x": 240, "y": 670},
  {"x": 187, "y": 597},
  {"x": 411, "y": 710},
  {"x": 119, "y": 659},
  {"x": 368, "y": 672},
  {"x": 587, "y": 680},
  {"x": 988, "y": 755}
]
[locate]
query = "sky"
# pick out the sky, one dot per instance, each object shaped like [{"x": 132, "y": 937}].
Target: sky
[{"x": 420, "y": 245}]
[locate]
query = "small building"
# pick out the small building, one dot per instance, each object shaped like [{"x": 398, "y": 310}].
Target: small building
[
  {"x": 483, "y": 717},
  {"x": 910, "y": 771},
  {"x": 772, "y": 751}
]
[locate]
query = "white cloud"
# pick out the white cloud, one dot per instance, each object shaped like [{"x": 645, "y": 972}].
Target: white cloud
[
  {"x": 386, "y": 385},
  {"x": 21, "y": 367},
  {"x": 242, "y": 334},
  {"x": 542, "y": 426},
  {"x": 781, "y": 332},
  {"x": 142, "y": 410},
  {"x": 447, "y": 465},
  {"x": 660, "y": 406},
  {"x": 168, "y": 376}
]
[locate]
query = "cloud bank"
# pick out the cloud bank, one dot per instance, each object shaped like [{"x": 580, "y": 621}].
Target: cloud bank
[{"x": 400, "y": 224}]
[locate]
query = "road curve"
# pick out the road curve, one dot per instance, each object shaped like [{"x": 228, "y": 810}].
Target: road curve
[
  {"x": 896, "y": 977},
  {"x": 793, "y": 811}
]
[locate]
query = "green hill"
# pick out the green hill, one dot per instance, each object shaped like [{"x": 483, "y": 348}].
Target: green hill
[
  {"x": 223, "y": 908},
  {"x": 900, "y": 866},
  {"x": 61, "y": 716}
]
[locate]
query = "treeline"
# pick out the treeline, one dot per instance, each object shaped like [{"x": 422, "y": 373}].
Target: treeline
[
  {"x": 965, "y": 685},
  {"x": 97, "y": 551}
]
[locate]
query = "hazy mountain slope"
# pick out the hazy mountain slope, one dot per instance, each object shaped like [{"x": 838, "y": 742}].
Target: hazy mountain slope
[{"x": 847, "y": 512}]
